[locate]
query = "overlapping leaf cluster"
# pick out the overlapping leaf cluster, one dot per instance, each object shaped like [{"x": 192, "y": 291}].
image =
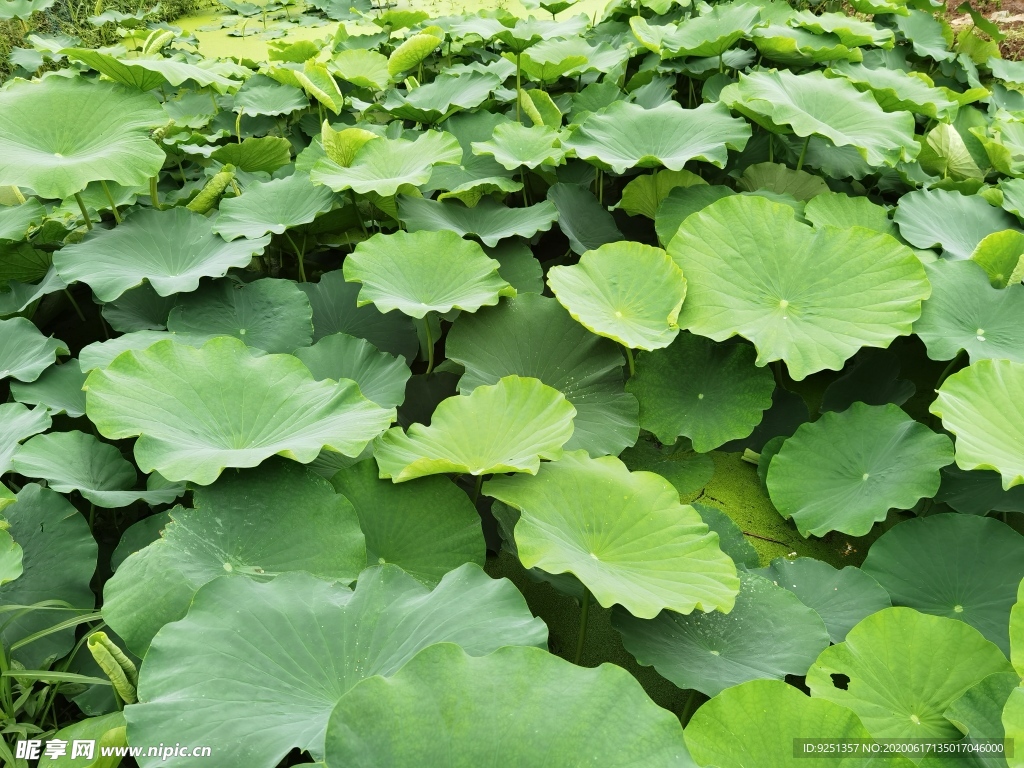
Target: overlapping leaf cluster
[{"x": 347, "y": 388}]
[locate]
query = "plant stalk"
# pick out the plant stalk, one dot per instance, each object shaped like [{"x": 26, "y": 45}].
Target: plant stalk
[
  {"x": 803, "y": 153},
  {"x": 81, "y": 207},
  {"x": 519, "y": 89},
  {"x": 629, "y": 360},
  {"x": 476, "y": 488},
  {"x": 430, "y": 343},
  {"x": 113, "y": 205},
  {"x": 581, "y": 637}
]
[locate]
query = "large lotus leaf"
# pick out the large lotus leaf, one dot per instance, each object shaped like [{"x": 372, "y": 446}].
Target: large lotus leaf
[
  {"x": 260, "y": 523},
  {"x": 777, "y": 179},
  {"x": 11, "y": 556},
  {"x": 623, "y": 534},
  {"x": 260, "y": 95},
  {"x": 711, "y": 393},
  {"x": 17, "y": 296},
  {"x": 841, "y": 597},
  {"x": 385, "y": 165},
  {"x": 852, "y": 31},
  {"x": 268, "y": 314},
  {"x": 76, "y": 461},
  {"x": 1017, "y": 632},
  {"x": 843, "y": 211},
  {"x": 626, "y": 135},
  {"x": 977, "y": 493},
  {"x": 101, "y": 354},
  {"x": 23, "y": 9},
  {"x": 644, "y": 194},
  {"x": 965, "y": 312},
  {"x": 959, "y": 566},
  {"x": 427, "y": 526},
  {"x": 796, "y": 47},
  {"x": 687, "y": 470},
  {"x": 625, "y": 291},
  {"x": 411, "y": 52},
  {"x": 904, "y": 669},
  {"x": 362, "y": 68},
  {"x": 336, "y": 310},
  {"x": 978, "y": 715},
  {"x": 811, "y": 296},
  {"x": 146, "y": 74},
  {"x": 58, "y": 390},
  {"x": 274, "y": 206},
  {"x": 708, "y": 35},
  {"x": 1001, "y": 255},
  {"x": 873, "y": 378},
  {"x": 254, "y": 155},
  {"x": 446, "y": 94},
  {"x": 59, "y": 557},
  {"x": 845, "y": 471},
  {"x": 198, "y": 411},
  {"x": 514, "y": 145},
  {"x": 812, "y": 104},
  {"x": 518, "y": 706},
  {"x": 768, "y": 634},
  {"x": 381, "y": 377},
  {"x": 269, "y": 661},
  {"x": 16, "y": 424},
  {"x": 756, "y": 724},
  {"x": 1013, "y": 723},
  {"x": 58, "y": 134},
  {"x": 582, "y": 218},
  {"x": 983, "y": 405},
  {"x": 506, "y": 427},
  {"x": 170, "y": 249},
  {"x": 16, "y": 220},
  {"x": 553, "y": 58},
  {"x": 489, "y": 220},
  {"x": 24, "y": 352},
  {"x": 681, "y": 203},
  {"x": 534, "y": 336},
  {"x": 930, "y": 218},
  {"x": 421, "y": 272},
  {"x": 896, "y": 90}
]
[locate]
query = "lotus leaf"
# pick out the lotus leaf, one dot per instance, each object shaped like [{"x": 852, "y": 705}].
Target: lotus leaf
[
  {"x": 488, "y": 220},
  {"x": 386, "y": 165},
  {"x": 514, "y": 145},
  {"x": 274, "y": 206},
  {"x": 708, "y": 35},
  {"x": 644, "y": 194},
  {"x": 24, "y": 352},
  {"x": 582, "y": 218},
  {"x": 147, "y": 74},
  {"x": 18, "y": 423},
  {"x": 954, "y": 222},
  {"x": 260, "y": 95},
  {"x": 381, "y": 377}
]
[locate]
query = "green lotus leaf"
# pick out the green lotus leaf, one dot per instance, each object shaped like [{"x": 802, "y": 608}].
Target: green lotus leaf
[
  {"x": 843, "y": 211},
  {"x": 1017, "y": 631},
  {"x": 534, "y": 336},
  {"x": 59, "y": 557},
  {"x": 269, "y": 661},
  {"x": 362, "y": 68},
  {"x": 440, "y": 98},
  {"x": 22, "y": 263},
  {"x": 778, "y": 300},
  {"x": 58, "y": 134},
  {"x": 105, "y": 731},
  {"x": 687, "y": 470},
  {"x": 769, "y": 634},
  {"x": 193, "y": 409},
  {"x": 100, "y": 354},
  {"x": 965, "y": 312},
  {"x": 981, "y": 405},
  {"x": 336, "y": 310},
  {"x": 401, "y": 271},
  {"x": 1013, "y": 723},
  {"x": 896, "y": 90},
  {"x": 756, "y": 723},
  {"x": 427, "y": 526},
  {"x": 146, "y": 74},
  {"x": 6, "y": 497},
  {"x": 731, "y": 538},
  {"x": 841, "y": 597},
  {"x": 644, "y": 194},
  {"x": 23, "y": 9},
  {"x": 777, "y": 179},
  {"x": 315, "y": 79},
  {"x": 273, "y": 206},
  {"x": 470, "y": 193},
  {"x": 253, "y": 155},
  {"x": 385, "y": 165},
  {"x": 261, "y": 95},
  {"x": 625, "y": 135},
  {"x": 553, "y": 58},
  {"x": 488, "y": 220},
  {"x": 76, "y": 461},
  {"x": 711, "y": 393},
  {"x": 58, "y": 389},
  {"x": 269, "y": 314},
  {"x": 540, "y": 108},
  {"x": 1001, "y": 255},
  {"x": 892, "y": 660},
  {"x": 929, "y": 36},
  {"x": 506, "y": 427},
  {"x": 708, "y": 35},
  {"x": 411, "y": 52},
  {"x": 845, "y": 471},
  {"x": 514, "y": 145},
  {"x": 11, "y": 558},
  {"x": 873, "y": 378},
  {"x": 381, "y": 377},
  {"x": 977, "y": 493},
  {"x": 959, "y": 566},
  {"x": 949, "y": 220},
  {"x": 16, "y": 220},
  {"x": 582, "y": 219},
  {"x": 170, "y": 249},
  {"x": 518, "y": 267},
  {"x": 797, "y": 47},
  {"x": 625, "y": 291},
  {"x": 18, "y": 423},
  {"x": 24, "y": 352},
  {"x": 812, "y": 104},
  {"x": 683, "y": 202},
  {"x": 944, "y": 153},
  {"x": 623, "y": 534},
  {"x": 239, "y": 525},
  {"x": 851, "y": 31},
  {"x": 517, "y": 706},
  {"x": 978, "y": 713}
]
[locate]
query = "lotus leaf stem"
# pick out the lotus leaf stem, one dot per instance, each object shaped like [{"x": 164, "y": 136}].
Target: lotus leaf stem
[
  {"x": 803, "y": 153},
  {"x": 299, "y": 252},
  {"x": 78, "y": 309},
  {"x": 430, "y": 343},
  {"x": 629, "y": 359},
  {"x": 82, "y": 208},
  {"x": 476, "y": 488},
  {"x": 519, "y": 89},
  {"x": 581, "y": 637},
  {"x": 154, "y": 194},
  {"x": 110, "y": 198}
]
